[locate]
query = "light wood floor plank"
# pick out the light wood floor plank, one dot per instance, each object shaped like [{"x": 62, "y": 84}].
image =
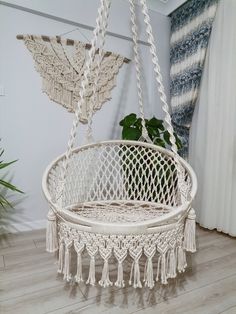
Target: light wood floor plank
[
  {"x": 2, "y": 265},
  {"x": 231, "y": 310},
  {"x": 211, "y": 299},
  {"x": 42, "y": 301}
]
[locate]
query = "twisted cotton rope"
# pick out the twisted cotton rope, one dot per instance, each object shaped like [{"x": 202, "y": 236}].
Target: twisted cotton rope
[
  {"x": 98, "y": 68},
  {"x": 134, "y": 29},
  {"x": 161, "y": 89}
]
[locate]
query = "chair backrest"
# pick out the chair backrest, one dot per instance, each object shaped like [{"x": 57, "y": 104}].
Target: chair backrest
[{"x": 113, "y": 171}]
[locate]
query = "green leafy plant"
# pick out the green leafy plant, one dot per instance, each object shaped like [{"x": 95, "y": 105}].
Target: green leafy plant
[
  {"x": 132, "y": 130},
  {"x": 5, "y": 185}
]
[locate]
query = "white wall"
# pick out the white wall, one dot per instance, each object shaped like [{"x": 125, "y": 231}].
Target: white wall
[{"x": 34, "y": 129}]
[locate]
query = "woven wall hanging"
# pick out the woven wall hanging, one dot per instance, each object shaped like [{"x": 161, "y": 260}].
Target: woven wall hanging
[{"x": 61, "y": 64}]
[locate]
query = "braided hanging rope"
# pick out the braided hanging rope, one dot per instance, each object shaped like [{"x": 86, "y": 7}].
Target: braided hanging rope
[
  {"x": 100, "y": 29},
  {"x": 158, "y": 75},
  {"x": 165, "y": 107},
  {"x": 99, "y": 58},
  {"x": 134, "y": 29}
]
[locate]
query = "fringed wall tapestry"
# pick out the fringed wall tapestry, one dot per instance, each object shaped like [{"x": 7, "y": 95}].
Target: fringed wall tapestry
[
  {"x": 61, "y": 64},
  {"x": 191, "y": 26}
]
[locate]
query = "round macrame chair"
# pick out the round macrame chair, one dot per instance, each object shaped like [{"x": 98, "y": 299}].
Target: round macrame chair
[{"x": 121, "y": 199}]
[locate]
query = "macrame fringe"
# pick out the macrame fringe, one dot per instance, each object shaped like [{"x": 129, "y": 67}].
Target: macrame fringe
[
  {"x": 189, "y": 232},
  {"x": 105, "y": 281},
  {"x": 61, "y": 257},
  {"x": 79, "y": 276},
  {"x": 163, "y": 269},
  {"x": 148, "y": 274},
  {"x": 167, "y": 265},
  {"x": 51, "y": 232},
  {"x": 170, "y": 260},
  {"x": 182, "y": 264},
  {"x": 91, "y": 277},
  {"x": 120, "y": 254},
  {"x": 79, "y": 248},
  {"x": 66, "y": 271},
  {"x": 172, "y": 264},
  {"x": 158, "y": 268},
  {"x": 120, "y": 282},
  {"x": 135, "y": 273}
]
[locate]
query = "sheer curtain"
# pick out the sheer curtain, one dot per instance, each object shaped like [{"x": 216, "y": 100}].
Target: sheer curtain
[{"x": 213, "y": 132}]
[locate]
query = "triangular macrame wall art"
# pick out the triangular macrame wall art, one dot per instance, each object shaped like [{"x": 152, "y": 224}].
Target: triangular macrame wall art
[{"x": 61, "y": 64}]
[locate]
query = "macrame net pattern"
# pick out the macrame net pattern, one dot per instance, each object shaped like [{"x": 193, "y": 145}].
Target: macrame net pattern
[
  {"x": 62, "y": 70},
  {"x": 118, "y": 180}
]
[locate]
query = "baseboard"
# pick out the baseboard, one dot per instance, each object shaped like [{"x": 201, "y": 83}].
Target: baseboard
[{"x": 24, "y": 226}]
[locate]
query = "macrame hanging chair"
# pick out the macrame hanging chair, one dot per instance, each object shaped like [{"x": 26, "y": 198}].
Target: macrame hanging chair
[
  {"x": 61, "y": 64},
  {"x": 120, "y": 199}
]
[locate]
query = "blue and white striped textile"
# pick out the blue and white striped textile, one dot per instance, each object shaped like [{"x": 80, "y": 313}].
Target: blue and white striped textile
[{"x": 190, "y": 32}]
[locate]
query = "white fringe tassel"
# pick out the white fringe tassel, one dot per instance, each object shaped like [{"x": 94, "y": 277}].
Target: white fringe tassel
[
  {"x": 172, "y": 264},
  {"x": 78, "y": 276},
  {"x": 120, "y": 281},
  {"x": 120, "y": 254},
  {"x": 51, "y": 232},
  {"x": 189, "y": 232},
  {"x": 182, "y": 264},
  {"x": 61, "y": 257},
  {"x": 91, "y": 277},
  {"x": 92, "y": 251},
  {"x": 67, "y": 274},
  {"x": 163, "y": 269},
  {"x": 105, "y": 281},
  {"x": 79, "y": 248},
  {"x": 136, "y": 272},
  {"x": 148, "y": 274},
  {"x": 158, "y": 268}
]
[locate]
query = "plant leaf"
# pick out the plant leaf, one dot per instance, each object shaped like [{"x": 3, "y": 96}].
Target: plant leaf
[
  {"x": 10, "y": 186},
  {"x": 166, "y": 136},
  {"x": 138, "y": 123},
  {"x": 129, "y": 120},
  {"x": 132, "y": 134},
  {"x": 6, "y": 164},
  {"x": 154, "y": 122},
  {"x": 4, "y": 202},
  {"x": 153, "y": 131},
  {"x": 159, "y": 142}
]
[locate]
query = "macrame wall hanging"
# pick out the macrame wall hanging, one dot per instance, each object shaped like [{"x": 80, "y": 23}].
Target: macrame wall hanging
[
  {"x": 61, "y": 64},
  {"x": 120, "y": 199}
]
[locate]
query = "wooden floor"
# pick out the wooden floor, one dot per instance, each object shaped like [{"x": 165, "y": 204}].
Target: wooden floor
[{"x": 29, "y": 283}]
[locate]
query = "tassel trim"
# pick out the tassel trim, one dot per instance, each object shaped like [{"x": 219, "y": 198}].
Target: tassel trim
[
  {"x": 190, "y": 232},
  {"x": 66, "y": 270},
  {"x": 51, "y": 232}
]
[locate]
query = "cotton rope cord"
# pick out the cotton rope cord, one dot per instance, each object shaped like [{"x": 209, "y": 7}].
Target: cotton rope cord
[
  {"x": 97, "y": 72},
  {"x": 134, "y": 29},
  {"x": 165, "y": 107},
  {"x": 100, "y": 24}
]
